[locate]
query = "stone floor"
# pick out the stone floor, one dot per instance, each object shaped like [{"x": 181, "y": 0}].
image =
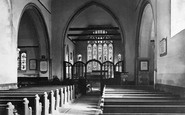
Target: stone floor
[{"x": 84, "y": 105}]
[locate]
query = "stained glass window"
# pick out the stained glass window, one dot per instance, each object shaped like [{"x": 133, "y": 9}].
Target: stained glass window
[
  {"x": 100, "y": 52},
  {"x": 105, "y": 53},
  {"x": 89, "y": 52},
  {"x": 23, "y": 61},
  {"x": 18, "y": 58},
  {"x": 79, "y": 57},
  {"x": 94, "y": 51},
  {"x": 111, "y": 52},
  {"x": 89, "y": 57},
  {"x": 94, "y": 56},
  {"x": 119, "y": 57},
  {"x": 99, "y": 49},
  {"x": 119, "y": 67}
]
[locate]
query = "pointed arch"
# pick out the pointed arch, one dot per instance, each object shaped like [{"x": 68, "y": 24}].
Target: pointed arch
[
  {"x": 144, "y": 5},
  {"x": 106, "y": 8},
  {"x": 32, "y": 12}
]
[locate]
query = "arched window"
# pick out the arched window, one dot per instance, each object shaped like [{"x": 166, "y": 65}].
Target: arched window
[
  {"x": 79, "y": 57},
  {"x": 94, "y": 51},
  {"x": 18, "y": 58},
  {"x": 105, "y": 52},
  {"x": 67, "y": 53},
  {"x": 89, "y": 57},
  {"x": 23, "y": 61},
  {"x": 111, "y": 52},
  {"x": 94, "y": 56},
  {"x": 89, "y": 52},
  {"x": 119, "y": 66},
  {"x": 100, "y": 52},
  {"x": 119, "y": 57}
]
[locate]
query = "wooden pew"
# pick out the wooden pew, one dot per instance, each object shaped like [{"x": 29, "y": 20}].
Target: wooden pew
[
  {"x": 46, "y": 104},
  {"x": 65, "y": 95},
  {"x": 62, "y": 97},
  {"x": 144, "y": 108},
  {"x": 73, "y": 92},
  {"x": 13, "y": 108},
  {"x": 27, "y": 109},
  {"x": 143, "y": 102},
  {"x": 24, "y": 81},
  {"x": 57, "y": 97},
  {"x": 117, "y": 100},
  {"x": 21, "y": 101},
  {"x": 69, "y": 94},
  {"x": 7, "y": 109},
  {"x": 51, "y": 101}
]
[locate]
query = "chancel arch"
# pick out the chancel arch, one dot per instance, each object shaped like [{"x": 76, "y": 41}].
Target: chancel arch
[
  {"x": 105, "y": 18},
  {"x": 95, "y": 33}
]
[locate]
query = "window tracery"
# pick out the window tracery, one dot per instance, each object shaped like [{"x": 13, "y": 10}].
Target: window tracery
[{"x": 99, "y": 49}]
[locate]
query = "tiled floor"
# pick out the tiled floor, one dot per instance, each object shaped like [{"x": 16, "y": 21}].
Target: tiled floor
[{"x": 85, "y": 105}]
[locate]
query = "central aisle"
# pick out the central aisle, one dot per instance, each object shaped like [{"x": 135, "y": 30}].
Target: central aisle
[{"x": 84, "y": 105}]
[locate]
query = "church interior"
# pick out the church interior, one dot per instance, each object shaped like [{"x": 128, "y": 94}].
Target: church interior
[{"x": 98, "y": 57}]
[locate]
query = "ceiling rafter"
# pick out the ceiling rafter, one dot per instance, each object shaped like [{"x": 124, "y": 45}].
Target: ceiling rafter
[{"x": 93, "y": 28}]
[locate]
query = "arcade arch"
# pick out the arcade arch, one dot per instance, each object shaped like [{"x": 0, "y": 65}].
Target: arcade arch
[
  {"x": 146, "y": 45},
  {"x": 33, "y": 42}
]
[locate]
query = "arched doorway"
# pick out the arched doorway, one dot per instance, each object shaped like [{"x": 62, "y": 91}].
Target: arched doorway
[
  {"x": 146, "y": 46},
  {"x": 33, "y": 45}
]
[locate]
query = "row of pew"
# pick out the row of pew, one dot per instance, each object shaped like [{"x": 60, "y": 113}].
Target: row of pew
[
  {"x": 42, "y": 100},
  {"x": 140, "y": 100}
]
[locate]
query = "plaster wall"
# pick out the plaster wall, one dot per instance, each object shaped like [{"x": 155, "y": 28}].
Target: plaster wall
[
  {"x": 171, "y": 67},
  {"x": 71, "y": 46}
]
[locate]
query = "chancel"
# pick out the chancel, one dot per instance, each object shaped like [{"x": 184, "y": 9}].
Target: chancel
[{"x": 92, "y": 57}]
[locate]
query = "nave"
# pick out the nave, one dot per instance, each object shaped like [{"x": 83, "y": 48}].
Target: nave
[{"x": 115, "y": 100}]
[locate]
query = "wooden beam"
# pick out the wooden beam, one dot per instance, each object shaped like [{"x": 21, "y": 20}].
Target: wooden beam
[
  {"x": 91, "y": 34},
  {"x": 28, "y": 46},
  {"x": 88, "y": 39},
  {"x": 94, "y": 28}
]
